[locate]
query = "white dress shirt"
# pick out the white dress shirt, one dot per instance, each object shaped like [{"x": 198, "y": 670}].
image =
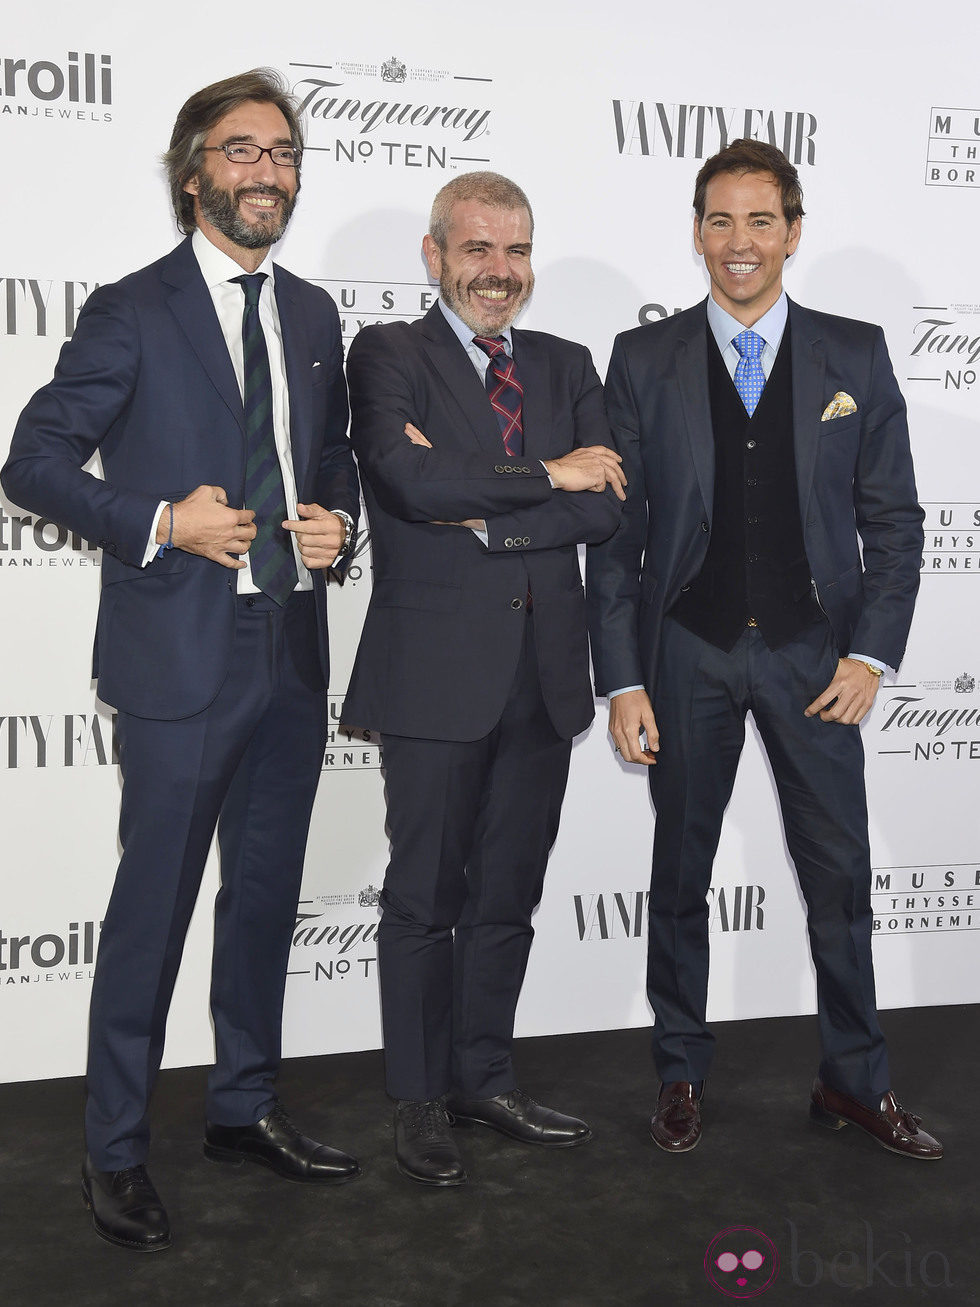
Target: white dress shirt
[{"x": 218, "y": 270}]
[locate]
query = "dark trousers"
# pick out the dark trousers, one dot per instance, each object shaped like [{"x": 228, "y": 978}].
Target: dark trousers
[
  {"x": 471, "y": 825},
  {"x": 249, "y": 764},
  {"x": 702, "y": 698}
]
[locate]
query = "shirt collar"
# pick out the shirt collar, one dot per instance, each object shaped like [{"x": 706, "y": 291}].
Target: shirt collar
[
  {"x": 464, "y": 333},
  {"x": 770, "y": 326},
  {"x": 218, "y": 267}
]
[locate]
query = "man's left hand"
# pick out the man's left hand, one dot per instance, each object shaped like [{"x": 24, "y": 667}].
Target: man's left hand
[
  {"x": 319, "y": 534},
  {"x": 853, "y": 688}
]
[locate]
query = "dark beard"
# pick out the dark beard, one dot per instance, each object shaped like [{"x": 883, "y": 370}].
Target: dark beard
[{"x": 221, "y": 210}]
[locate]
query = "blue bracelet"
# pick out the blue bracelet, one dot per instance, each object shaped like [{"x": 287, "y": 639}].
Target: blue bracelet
[{"x": 170, "y": 538}]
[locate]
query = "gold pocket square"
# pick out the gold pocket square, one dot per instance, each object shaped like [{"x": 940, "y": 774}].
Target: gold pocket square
[{"x": 839, "y": 407}]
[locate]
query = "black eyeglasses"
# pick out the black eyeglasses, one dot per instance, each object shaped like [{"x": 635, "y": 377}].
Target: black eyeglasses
[{"x": 284, "y": 156}]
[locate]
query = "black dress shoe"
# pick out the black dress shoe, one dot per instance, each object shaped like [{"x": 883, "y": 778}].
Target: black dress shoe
[
  {"x": 676, "y": 1124},
  {"x": 425, "y": 1149},
  {"x": 519, "y": 1116},
  {"x": 276, "y": 1143},
  {"x": 126, "y": 1209},
  {"x": 891, "y": 1125}
]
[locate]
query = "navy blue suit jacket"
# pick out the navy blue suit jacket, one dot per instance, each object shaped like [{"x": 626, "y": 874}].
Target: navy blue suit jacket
[
  {"x": 147, "y": 381},
  {"x": 444, "y": 627},
  {"x": 855, "y": 482}
]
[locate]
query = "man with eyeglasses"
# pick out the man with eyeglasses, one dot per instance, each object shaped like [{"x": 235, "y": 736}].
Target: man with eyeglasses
[{"x": 211, "y": 385}]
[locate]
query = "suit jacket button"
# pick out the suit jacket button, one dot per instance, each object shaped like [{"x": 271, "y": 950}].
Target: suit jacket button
[
  {"x": 509, "y": 543},
  {"x": 704, "y": 526},
  {"x": 526, "y": 540},
  {"x": 517, "y": 603},
  {"x": 499, "y": 468}
]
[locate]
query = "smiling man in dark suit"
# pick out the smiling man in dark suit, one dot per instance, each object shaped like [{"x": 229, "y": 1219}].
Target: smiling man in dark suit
[
  {"x": 483, "y": 451},
  {"x": 768, "y": 562},
  {"x": 211, "y": 385}
]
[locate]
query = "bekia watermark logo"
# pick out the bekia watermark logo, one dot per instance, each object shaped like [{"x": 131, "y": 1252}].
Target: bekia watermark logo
[
  {"x": 953, "y": 155},
  {"x": 390, "y": 113},
  {"x": 57, "y": 88},
  {"x": 743, "y": 1262}
]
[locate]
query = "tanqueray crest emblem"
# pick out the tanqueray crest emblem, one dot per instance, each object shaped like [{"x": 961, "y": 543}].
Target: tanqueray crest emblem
[{"x": 393, "y": 70}]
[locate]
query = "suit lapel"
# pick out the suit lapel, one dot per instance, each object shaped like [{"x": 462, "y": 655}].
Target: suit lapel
[
  {"x": 534, "y": 370},
  {"x": 192, "y": 306},
  {"x": 299, "y": 362},
  {"x": 809, "y": 367},
  {"x": 460, "y": 380},
  {"x": 691, "y": 361}
]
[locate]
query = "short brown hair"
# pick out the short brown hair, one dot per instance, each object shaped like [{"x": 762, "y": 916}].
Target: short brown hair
[
  {"x": 200, "y": 113},
  {"x": 488, "y": 188},
  {"x": 743, "y": 156}
]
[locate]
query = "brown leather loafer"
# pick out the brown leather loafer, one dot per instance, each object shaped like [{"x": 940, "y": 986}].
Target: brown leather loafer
[
  {"x": 891, "y": 1125},
  {"x": 676, "y": 1124}
]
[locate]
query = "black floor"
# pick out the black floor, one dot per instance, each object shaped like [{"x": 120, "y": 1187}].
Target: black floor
[{"x": 613, "y": 1222}]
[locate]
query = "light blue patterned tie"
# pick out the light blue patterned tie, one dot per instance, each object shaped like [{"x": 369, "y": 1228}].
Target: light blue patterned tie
[{"x": 749, "y": 376}]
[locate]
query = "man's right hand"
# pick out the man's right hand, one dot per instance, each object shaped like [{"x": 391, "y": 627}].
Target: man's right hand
[
  {"x": 205, "y": 525},
  {"x": 592, "y": 467},
  {"x": 630, "y": 715}
]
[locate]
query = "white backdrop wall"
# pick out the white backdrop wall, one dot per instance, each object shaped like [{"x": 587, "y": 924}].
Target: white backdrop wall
[{"x": 603, "y": 116}]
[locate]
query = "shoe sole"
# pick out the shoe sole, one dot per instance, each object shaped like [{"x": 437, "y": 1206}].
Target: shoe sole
[
  {"x": 229, "y": 1157},
  {"x": 686, "y": 1148},
  {"x": 129, "y": 1244},
  {"x": 467, "y": 1123},
  {"x": 834, "y": 1121},
  {"x": 437, "y": 1184}
]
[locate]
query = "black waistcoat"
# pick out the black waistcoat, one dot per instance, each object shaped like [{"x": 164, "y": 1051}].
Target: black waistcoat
[{"x": 756, "y": 564}]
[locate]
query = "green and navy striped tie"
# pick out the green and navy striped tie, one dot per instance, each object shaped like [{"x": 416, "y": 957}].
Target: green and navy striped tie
[{"x": 271, "y": 555}]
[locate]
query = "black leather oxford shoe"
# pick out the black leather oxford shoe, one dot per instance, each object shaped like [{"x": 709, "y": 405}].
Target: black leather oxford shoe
[
  {"x": 126, "y": 1209},
  {"x": 276, "y": 1143},
  {"x": 517, "y": 1114},
  {"x": 425, "y": 1149}
]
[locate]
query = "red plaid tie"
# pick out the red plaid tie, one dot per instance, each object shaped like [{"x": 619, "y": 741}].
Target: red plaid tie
[{"x": 505, "y": 391}]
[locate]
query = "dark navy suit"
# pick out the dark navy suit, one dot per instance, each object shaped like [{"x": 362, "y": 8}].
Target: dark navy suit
[
  {"x": 477, "y": 698},
  {"x": 862, "y": 535},
  {"x": 221, "y": 698}
]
